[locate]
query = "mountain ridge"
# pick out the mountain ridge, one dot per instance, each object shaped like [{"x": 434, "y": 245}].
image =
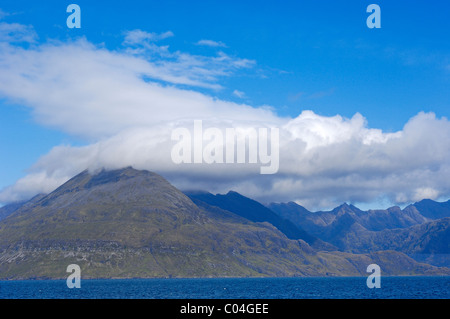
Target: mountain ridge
[{"x": 395, "y": 229}]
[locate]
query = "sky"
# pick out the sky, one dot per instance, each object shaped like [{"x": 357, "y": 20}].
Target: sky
[{"x": 362, "y": 113}]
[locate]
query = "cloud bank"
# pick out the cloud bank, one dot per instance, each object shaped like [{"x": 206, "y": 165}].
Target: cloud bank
[{"x": 126, "y": 103}]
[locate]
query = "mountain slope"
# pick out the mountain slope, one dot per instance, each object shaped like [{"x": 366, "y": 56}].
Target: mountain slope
[
  {"x": 416, "y": 230},
  {"x": 256, "y": 212},
  {"x": 431, "y": 209},
  {"x": 428, "y": 242},
  {"x": 7, "y": 210}
]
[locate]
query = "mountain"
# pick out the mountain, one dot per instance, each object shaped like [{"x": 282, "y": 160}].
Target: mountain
[
  {"x": 428, "y": 242},
  {"x": 430, "y": 209},
  {"x": 374, "y": 220},
  {"x": 128, "y": 223},
  {"x": 420, "y": 230},
  {"x": 253, "y": 211},
  {"x": 7, "y": 210}
]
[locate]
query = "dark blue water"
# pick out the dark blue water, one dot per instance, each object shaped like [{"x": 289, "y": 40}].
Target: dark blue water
[{"x": 232, "y": 288}]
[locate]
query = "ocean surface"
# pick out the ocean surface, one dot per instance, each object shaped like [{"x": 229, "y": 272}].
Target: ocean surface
[{"x": 232, "y": 288}]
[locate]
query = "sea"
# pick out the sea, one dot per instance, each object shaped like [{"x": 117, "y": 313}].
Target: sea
[{"x": 232, "y": 288}]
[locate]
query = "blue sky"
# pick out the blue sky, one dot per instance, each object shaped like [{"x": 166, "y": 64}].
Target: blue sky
[{"x": 298, "y": 55}]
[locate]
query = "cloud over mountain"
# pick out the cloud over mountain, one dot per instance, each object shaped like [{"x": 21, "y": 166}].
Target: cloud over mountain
[{"x": 125, "y": 103}]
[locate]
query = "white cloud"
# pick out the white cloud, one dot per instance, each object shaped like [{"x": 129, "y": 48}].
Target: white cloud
[
  {"x": 196, "y": 70},
  {"x": 239, "y": 94},
  {"x": 138, "y": 36},
  {"x": 15, "y": 32},
  {"x": 315, "y": 171},
  {"x": 92, "y": 92},
  {"x": 425, "y": 192},
  {"x": 211, "y": 43},
  {"x": 115, "y": 100},
  {"x": 31, "y": 185}
]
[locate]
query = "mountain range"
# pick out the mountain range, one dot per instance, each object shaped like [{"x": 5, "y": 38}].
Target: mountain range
[
  {"x": 129, "y": 223},
  {"x": 420, "y": 230}
]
